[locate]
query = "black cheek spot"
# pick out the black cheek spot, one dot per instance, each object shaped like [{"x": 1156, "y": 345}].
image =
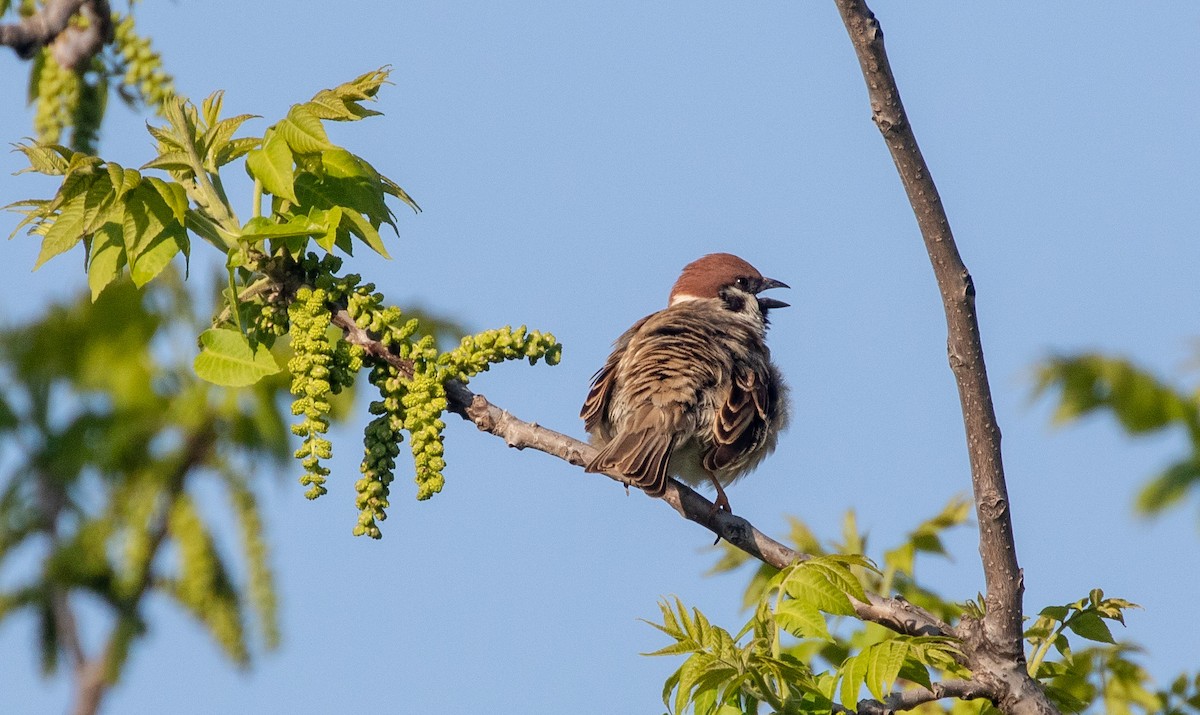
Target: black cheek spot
[{"x": 735, "y": 301}]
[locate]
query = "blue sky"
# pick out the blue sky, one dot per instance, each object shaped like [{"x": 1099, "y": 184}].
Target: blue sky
[{"x": 571, "y": 158}]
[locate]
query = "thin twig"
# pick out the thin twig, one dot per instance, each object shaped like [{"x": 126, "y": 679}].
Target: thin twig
[{"x": 915, "y": 697}]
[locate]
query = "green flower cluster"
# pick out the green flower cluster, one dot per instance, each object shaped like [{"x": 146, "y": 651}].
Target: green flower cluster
[
  {"x": 321, "y": 366},
  {"x": 413, "y": 400},
  {"x": 384, "y": 434},
  {"x": 269, "y": 319},
  {"x": 477, "y": 352},
  {"x": 411, "y": 383},
  {"x": 203, "y": 586},
  {"x": 144, "y": 73},
  {"x": 56, "y": 90}
]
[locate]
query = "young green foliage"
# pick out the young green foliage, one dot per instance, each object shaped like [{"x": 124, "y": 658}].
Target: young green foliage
[
  {"x": 143, "y": 78},
  {"x": 283, "y": 275},
  {"x": 1141, "y": 402},
  {"x": 848, "y": 660},
  {"x": 721, "y": 676},
  {"x": 74, "y": 100},
  {"x": 104, "y": 445}
]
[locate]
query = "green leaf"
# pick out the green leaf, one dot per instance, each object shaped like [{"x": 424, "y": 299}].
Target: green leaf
[
  {"x": 677, "y": 648},
  {"x": 916, "y": 673},
  {"x": 303, "y": 132},
  {"x": 66, "y": 231},
  {"x": 1063, "y": 646},
  {"x": 901, "y": 558},
  {"x": 1170, "y": 487},
  {"x": 97, "y": 203},
  {"x": 235, "y": 148},
  {"x": 1137, "y": 398},
  {"x": 272, "y": 165},
  {"x": 883, "y": 665},
  {"x": 216, "y": 139},
  {"x": 1089, "y": 625},
  {"x": 170, "y": 161},
  {"x": 1058, "y": 613},
  {"x": 853, "y": 675},
  {"x": 811, "y": 588},
  {"x": 689, "y": 673},
  {"x": 227, "y": 359},
  {"x": 332, "y": 220},
  {"x": 157, "y": 254},
  {"x": 127, "y": 181},
  {"x": 167, "y": 142},
  {"x": 342, "y": 102},
  {"x": 823, "y": 583},
  {"x": 107, "y": 259},
  {"x": 802, "y": 620},
  {"x": 146, "y": 217},
  {"x": 210, "y": 107},
  {"x": 49, "y": 159},
  {"x": 261, "y": 228},
  {"x": 840, "y": 577},
  {"x": 173, "y": 195},
  {"x": 366, "y": 232}
]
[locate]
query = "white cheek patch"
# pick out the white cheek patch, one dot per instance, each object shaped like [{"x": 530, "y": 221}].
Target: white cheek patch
[{"x": 682, "y": 297}]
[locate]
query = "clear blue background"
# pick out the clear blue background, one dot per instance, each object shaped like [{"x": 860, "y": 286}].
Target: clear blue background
[{"x": 571, "y": 158}]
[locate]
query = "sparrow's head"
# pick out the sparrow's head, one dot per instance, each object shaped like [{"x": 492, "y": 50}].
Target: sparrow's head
[{"x": 729, "y": 278}]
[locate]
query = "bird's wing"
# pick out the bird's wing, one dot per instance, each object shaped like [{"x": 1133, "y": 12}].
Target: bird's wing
[
  {"x": 640, "y": 447},
  {"x": 598, "y": 395},
  {"x": 604, "y": 381},
  {"x": 741, "y": 419}
]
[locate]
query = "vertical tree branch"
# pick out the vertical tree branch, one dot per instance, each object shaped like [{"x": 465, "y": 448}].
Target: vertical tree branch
[{"x": 995, "y": 648}]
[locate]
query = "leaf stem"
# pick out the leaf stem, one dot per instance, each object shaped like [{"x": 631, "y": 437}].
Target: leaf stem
[{"x": 256, "y": 209}]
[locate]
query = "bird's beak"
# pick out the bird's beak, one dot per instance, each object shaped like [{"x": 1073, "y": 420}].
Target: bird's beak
[{"x": 768, "y": 303}]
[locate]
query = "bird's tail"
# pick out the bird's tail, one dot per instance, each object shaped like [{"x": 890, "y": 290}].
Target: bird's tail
[{"x": 641, "y": 458}]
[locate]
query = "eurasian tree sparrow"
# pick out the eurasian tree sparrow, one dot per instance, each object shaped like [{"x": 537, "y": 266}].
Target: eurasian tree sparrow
[{"x": 691, "y": 391}]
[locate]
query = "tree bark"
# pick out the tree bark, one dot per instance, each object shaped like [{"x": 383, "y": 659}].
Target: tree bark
[
  {"x": 994, "y": 649},
  {"x": 73, "y": 46}
]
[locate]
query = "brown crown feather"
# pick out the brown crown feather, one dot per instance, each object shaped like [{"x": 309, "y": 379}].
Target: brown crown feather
[{"x": 707, "y": 275}]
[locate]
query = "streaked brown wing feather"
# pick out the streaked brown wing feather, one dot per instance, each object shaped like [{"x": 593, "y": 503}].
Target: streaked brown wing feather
[
  {"x": 741, "y": 420},
  {"x": 597, "y": 397},
  {"x": 604, "y": 381}
]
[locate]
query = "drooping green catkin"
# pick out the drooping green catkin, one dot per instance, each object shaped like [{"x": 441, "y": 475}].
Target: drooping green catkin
[
  {"x": 412, "y": 391},
  {"x": 144, "y": 74},
  {"x": 203, "y": 585},
  {"x": 261, "y": 582},
  {"x": 381, "y": 442},
  {"x": 56, "y": 97},
  {"x": 313, "y": 353}
]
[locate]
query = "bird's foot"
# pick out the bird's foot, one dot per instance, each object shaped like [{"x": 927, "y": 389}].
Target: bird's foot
[{"x": 721, "y": 503}]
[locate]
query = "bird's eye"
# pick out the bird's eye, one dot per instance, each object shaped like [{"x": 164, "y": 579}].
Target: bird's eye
[{"x": 741, "y": 282}]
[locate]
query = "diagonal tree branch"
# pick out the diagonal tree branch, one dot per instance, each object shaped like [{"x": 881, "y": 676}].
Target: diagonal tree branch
[
  {"x": 73, "y": 46},
  {"x": 894, "y": 613},
  {"x": 995, "y": 646}
]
